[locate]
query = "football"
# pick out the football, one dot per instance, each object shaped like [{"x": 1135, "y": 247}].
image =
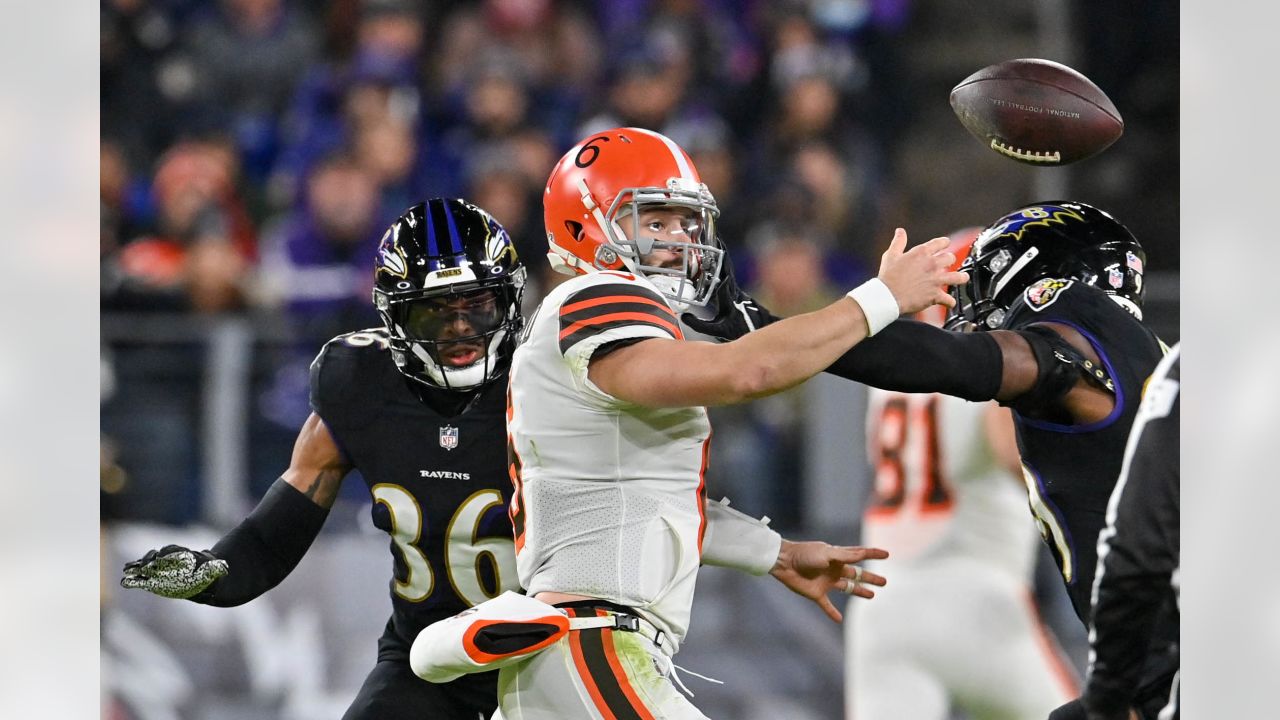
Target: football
[{"x": 1037, "y": 111}]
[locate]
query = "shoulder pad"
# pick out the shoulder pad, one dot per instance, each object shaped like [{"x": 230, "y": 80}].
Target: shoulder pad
[
  {"x": 631, "y": 309},
  {"x": 342, "y": 362},
  {"x": 353, "y": 345}
]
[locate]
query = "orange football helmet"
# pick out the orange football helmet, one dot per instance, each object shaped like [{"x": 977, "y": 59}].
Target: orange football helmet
[
  {"x": 611, "y": 177},
  {"x": 961, "y": 244}
]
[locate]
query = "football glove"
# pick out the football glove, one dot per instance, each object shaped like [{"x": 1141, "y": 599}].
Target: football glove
[
  {"x": 174, "y": 572},
  {"x": 737, "y": 313}
]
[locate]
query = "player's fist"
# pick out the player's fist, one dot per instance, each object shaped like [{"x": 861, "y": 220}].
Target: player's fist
[
  {"x": 174, "y": 572},
  {"x": 919, "y": 277}
]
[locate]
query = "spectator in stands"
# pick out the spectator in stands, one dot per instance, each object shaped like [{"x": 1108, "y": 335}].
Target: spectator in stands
[
  {"x": 144, "y": 78},
  {"x": 646, "y": 88},
  {"x": 248, "y": 59},
  {"x": 380, "y": 79},
  {"x": 316, "y": 261},
  {"x": 203, "y": 243}
]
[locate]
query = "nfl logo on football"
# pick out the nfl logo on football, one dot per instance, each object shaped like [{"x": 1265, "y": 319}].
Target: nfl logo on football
[{"x": 448, "y": 437}]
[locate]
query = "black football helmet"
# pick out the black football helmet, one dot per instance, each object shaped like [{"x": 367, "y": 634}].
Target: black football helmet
[
  {"x": 448, "y": 285},
  {"x": 1057, "y": 239}
]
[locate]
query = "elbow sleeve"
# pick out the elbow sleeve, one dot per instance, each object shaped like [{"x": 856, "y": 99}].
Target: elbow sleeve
[
  {"x": 738, "y": 541},
  {"x": 912, "y": 356},
  {"x": 264, "y": 548}
]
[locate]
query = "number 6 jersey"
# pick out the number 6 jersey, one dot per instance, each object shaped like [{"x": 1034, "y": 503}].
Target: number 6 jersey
[
  {"x": 439, "y": 483},
  {"x": 609, "y": 494}
]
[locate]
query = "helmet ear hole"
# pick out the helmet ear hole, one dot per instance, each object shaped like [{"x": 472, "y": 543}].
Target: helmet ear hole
[{"x": 575, "y": 229}]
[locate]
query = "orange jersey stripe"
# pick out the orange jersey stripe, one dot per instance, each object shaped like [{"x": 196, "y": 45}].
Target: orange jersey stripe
[
  {"x": 701, "y": 495},
  {"x": 515, "y": 511},
  {"x": 642, "y": 318},
  {"x": 584, "y": 304}
]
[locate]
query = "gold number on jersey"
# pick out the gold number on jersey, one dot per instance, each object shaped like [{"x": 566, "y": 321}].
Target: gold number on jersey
[
  {"x": 406, "y": 530},
  {"x": 1050, "y": 529},
  {"x": 466, "y": 554}
]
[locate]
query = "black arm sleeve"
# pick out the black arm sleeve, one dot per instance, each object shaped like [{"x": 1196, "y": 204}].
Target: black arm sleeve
[
  {"x": 264, "y": 548},
  {"x": 912, "y": 356},
  {"x": 1138, "y": 558}
]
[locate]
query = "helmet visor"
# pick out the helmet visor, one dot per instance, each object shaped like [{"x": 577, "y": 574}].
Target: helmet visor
[{"x": 455, "y": 329}]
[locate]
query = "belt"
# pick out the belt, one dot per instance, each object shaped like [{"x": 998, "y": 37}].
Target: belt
[{"x": 620, "y": 618}]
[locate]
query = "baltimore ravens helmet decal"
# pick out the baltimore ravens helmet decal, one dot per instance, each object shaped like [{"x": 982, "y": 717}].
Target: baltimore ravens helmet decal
[
  {"x": 1044, "y": 292},
  {"x": 390, "y": 256},
  {"x": 1015, "y": 225}
]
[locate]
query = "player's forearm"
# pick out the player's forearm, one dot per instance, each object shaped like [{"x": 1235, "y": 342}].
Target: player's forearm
[
  {"x": 792, "y": 350},
  {"x": 263, "y": 549},
  {"x": 912, "y": 356}
]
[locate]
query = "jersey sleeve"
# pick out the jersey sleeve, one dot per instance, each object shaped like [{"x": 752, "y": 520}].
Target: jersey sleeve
[
  {"x": 340, "y": 384},
  {"x": 319, "y": 394},
  {"x": 609, "y": 312}
]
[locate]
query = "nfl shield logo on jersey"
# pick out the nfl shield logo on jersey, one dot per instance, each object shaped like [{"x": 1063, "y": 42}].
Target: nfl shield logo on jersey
[{"x": 448, "y": 437}]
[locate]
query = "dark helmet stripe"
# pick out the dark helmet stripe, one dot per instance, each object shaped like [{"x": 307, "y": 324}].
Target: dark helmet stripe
[
  {"x": 454, "y": 240},
  {"x": 432, "y": 249}
]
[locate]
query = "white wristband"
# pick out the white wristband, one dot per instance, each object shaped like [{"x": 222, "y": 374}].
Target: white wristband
[{"x": 877, "y": 303}]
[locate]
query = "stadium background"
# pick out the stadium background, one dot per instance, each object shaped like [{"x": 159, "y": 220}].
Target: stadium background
[{"x": 253, "y": 151}]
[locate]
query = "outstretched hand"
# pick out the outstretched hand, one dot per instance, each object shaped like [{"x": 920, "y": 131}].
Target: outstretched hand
[
  {"x": 737, "y": 313},
  {"x": 815, "y": 568},
  {"x": 919, "y": 277},
  {"x": 174, "y": 572}
]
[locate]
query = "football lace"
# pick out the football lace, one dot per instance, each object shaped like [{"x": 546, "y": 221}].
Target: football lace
[{"x": 1028, "y": 155}]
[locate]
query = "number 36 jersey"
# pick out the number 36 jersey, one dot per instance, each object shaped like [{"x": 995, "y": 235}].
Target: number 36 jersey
[
  {"x": 439, "y": 484},
  {"x": 609, "y": 494}
]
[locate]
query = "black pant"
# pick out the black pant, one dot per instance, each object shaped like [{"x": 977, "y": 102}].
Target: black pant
[{"x": 393, "y": 692}]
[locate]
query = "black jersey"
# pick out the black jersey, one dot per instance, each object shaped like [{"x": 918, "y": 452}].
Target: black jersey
[
  {"x": 1070, "y": 470},
  {"x": 439, "y": 484}
]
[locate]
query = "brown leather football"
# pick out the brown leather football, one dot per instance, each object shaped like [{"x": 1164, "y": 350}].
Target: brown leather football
[{"x": 1037, "y": 111}]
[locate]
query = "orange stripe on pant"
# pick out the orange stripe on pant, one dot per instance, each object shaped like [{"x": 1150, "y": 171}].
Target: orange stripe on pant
[
  {"x": 601, "y": 672},
  {"x": 1064, "y": 672}
]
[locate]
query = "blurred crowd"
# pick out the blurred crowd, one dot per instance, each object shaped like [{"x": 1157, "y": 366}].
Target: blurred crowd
[{"x": 253, "y": 150}]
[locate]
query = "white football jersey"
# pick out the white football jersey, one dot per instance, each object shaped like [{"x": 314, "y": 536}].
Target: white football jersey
[
  {"x": 609, "y": 495},
  {"x": 939, "y": 491}
]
